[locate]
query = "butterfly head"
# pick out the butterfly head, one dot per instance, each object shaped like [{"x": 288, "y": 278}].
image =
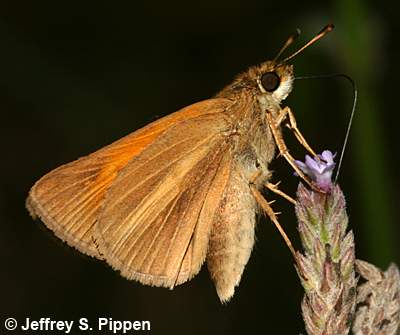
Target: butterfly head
[
  {"x": 267, "y": 81},
  {"x": 275, "y": 78},
  {"x": 274, "y": 81}
]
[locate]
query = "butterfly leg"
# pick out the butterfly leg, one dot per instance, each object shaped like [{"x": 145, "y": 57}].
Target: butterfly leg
[
  {"x": 266, "y": 206},
  {"x": 292, "y": 125},
  {"x": 284, "y": 151},
  {"x": 274, "y": 188}
]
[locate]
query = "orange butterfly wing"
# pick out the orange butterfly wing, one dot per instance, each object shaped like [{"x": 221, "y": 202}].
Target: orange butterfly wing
[
  {"x": 158, "y": 213},
  {"x": 69, "y": 199}
]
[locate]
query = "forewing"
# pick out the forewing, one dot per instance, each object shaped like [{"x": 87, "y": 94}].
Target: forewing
[
  {"x": 158, "y": 214},
  {"x": 69, "y": 198}
]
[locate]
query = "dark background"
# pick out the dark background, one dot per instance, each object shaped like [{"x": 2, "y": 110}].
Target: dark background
[{"x": 74, "y": 76}]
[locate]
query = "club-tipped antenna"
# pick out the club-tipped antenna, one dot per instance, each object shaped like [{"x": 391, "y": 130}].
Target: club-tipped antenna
[
  {"x": 353, "y": 109},
  {"x": 327, "y": 29},
  {"x": 288, "y": 42}
]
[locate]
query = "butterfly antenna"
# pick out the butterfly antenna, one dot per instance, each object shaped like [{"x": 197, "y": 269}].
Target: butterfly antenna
[
  {"x": 327, "y": 29},
  {"x": 288, "y": 42}
]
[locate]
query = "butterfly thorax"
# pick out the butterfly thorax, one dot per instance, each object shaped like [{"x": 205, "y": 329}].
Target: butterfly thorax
[{"x": 254, "y": 148}]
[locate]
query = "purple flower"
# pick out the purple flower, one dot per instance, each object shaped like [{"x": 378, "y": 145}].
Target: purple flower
[{"x": 320, "y": 171}]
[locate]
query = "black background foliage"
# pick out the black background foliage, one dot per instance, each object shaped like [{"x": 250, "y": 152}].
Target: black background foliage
[{"x": 74, "y": 76}]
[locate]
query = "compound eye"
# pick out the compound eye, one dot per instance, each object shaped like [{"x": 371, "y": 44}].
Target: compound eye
[{"x": 270, "y": 81}]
